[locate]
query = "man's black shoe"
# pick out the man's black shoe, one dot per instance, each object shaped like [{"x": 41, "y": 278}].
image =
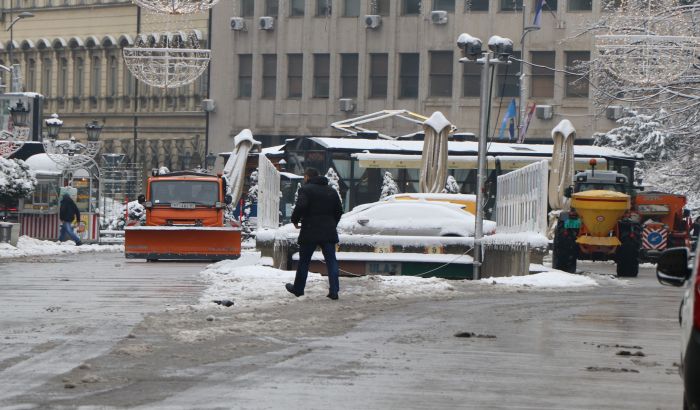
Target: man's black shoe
[
  {"x": 333, "y": 296},
  {"x": 290, "y": 289}
]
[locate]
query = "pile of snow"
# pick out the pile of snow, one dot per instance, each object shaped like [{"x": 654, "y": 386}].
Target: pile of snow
[
  {"x": 551, "y": 279},
  {"x": 250, "y": 284},
  {"x": 27, "y": 246}
]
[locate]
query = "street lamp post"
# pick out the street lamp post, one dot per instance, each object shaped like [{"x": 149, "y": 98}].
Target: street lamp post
[
  {"x": 499, "y": 52},
  {"x": 14, "y": 70},
  {"x": 523, "y": 73}
]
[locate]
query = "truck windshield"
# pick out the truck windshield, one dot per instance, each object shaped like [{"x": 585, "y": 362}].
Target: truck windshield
[
  {"x": 197, "y": 192},
  {"x": 602, "y": 187}
]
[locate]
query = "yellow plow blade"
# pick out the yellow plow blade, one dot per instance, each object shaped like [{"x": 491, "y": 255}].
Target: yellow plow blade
[{"x": 182, "y": 242}]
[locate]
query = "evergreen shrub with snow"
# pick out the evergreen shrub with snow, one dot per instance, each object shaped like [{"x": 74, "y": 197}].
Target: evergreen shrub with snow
[
  {"x": 389, "y": 186},
  {"x": 333, "y": 181},
  {"x": 247, "y": 225},
  {"x": 16, "y": 180},
  {"x": 136, "y": 212},
  {"x": 451, "y": 186}
]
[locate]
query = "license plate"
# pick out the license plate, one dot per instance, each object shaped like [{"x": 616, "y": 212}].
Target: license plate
[
  {"x": 383, "y": 268},
  {"x": 183, "y": 205}
]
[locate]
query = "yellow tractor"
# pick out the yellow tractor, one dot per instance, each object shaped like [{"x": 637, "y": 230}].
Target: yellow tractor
[{"x": 599, "y": 225}]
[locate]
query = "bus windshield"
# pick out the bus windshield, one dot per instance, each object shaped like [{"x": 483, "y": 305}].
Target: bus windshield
[{"x": 196, "y": 192}]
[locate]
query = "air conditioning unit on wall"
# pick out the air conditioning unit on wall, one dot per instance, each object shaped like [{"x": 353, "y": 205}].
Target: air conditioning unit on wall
[
  {"x": 266, "y": 23},
  {"x": 237, "y": 23},
  {"x": 373, "y": 21},
  {"x": 438, "y": 17},
  {"x": 346, "y": 104},
  {"x": 544, "y": 112},
  {"x": 614, "y": 112}
]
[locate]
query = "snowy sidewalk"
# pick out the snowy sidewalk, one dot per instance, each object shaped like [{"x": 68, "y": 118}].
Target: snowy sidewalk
[{"x": 27, "y": 246}]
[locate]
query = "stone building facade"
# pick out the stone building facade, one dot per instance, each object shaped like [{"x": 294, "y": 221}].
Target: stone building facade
[{"x": 71, "y": 52}]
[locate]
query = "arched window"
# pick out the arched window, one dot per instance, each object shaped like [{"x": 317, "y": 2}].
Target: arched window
[
  {"x": 31, "y": 75},
  {"x": 112, "y": 79},
  {"x": 95, "y": 77},
  {"x": 46, "y": 72},
  {"x": 79, "y": 77},
  {"x": 63, "y": 77}
]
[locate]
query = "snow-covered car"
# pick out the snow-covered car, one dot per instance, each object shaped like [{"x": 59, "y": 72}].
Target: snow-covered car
[
  {"x": 411, "y": 218},
  {"x": 467, "y": 201},
  {"x": 674, "y": 269}
]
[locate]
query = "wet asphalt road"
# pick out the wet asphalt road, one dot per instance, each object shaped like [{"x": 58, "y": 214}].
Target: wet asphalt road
[{"x": 531, "y": 349}]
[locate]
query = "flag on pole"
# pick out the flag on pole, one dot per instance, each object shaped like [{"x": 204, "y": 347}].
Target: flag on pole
[
  {"x": 508, "y": 121},
  {"x": 528, "y": 117},
  {"x": 539, "y": 4}
]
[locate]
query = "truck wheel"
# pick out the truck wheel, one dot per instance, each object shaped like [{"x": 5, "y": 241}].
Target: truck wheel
[{"x": 564, "y": 253}]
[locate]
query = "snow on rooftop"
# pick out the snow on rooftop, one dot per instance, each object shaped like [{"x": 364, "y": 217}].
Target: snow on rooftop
[
  {"x": 27, "y": 247},
  {"x": 437, "y": 122},
  {"x": 277, "y": 149},
  {"x": 42, "y": 164},
  {"x": 54, "y": 120},
  {"x": 456, "y": 147}
]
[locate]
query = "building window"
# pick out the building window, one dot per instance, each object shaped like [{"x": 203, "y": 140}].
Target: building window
[
  {"x": 271, "y": 8},
  {"x": 411, "y": 7},
  {"x": 63, "y": 77},
  {"x": 508, "y": 78},
  {"x": 79, "y": 78},
  {"x": 295, "y": 70},
  {"x": 348, "y": 75},
  {"x": 46, "y": 77},
  {"x": 96, "y": 77},
  {"x": 471, "y": 80},
  {"x": 112, "y": 79},
  {"x": 31, "y": 75},
  {"x": 408, "y": 75},
  {"x": 201, "y": 86},
  {"x": 247, "y": 8},
  {"x": 441, "y": 73},
  {"x": 580, "y": 5},
  {"x": 297, "y": 8},
  {"x": 548, "y": 5},
  {"x": 322, "y": 64},
  {"x": 269, "y": 76},
  {"x": 476, "y": 5},
  {"x": 323, "y": 8},
  {"x": 351, "y": 8},
  {"x": 511, "y": 5},
  {"x": 380, "y": 7},
  {"x": 129, "y": 83},
  {"x": 445, "y": 5},
  {"x": 245, "y": 75},
  {"x": 576, "y": 85},
  {"x": 378, "y": 72},
  {"x": 543, "y": 78}
]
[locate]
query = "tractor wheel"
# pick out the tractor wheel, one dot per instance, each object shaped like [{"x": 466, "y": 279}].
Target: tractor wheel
[
  {"x": 565, "y": 252},
  {"x": 627, "y": 257}
]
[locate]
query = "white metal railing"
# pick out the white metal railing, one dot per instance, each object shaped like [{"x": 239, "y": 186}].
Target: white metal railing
[
  {"x": 268, "y": 194},
  {"x": 521, "y": 201}
]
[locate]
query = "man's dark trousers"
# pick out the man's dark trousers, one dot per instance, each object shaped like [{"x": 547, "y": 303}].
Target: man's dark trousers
[{"x": 306, "y": 250}]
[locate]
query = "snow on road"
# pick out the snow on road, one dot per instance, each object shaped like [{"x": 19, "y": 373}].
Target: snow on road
[
  {"x": 251, "y": 284},
  {"x": 27, "y": 246}
]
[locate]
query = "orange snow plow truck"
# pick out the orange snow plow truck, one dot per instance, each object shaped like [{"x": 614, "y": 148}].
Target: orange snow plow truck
[{"x": 184, "y": 220}]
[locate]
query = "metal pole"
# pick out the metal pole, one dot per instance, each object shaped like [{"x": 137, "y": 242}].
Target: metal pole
[
  {"x": 485, "y": 108},
  {"x": 12, "y": 43},
  {"x": 136, "y": 89},
  {"x": 523, "y": 86},
  {"x": 206, "y": 125}
]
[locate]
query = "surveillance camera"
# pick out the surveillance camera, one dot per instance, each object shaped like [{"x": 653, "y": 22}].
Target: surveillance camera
[
  {"x": 502, "y": 47},
  {"x": 470, "y": 46}
]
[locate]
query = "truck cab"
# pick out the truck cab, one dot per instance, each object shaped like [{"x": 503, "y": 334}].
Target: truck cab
[{"x": 591, "y": 179}]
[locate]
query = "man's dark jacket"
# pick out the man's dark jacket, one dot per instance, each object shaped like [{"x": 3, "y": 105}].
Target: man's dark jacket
[
  {"x": 69, "y": 210},
  {"x": 318, "y": 208}
]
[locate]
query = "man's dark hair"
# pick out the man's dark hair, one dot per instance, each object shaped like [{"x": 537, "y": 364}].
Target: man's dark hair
[{"x": 311, "y": 172}]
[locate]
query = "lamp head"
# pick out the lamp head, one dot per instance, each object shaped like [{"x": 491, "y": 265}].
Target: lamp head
[
  {"x": 93, "y": 130},
  {"x": 470, "y": 46},
  {"x": 502, "y": 47}
]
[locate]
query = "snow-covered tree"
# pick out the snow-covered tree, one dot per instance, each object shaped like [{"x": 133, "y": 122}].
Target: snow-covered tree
[
  {"x": 451, "y": 186},
  {"x": 333, "y": 181},
  {"x": 389, "y": 186},
  {"x": 16, "y": 180},
  {"x": 133, "y": 211},
  {"x": 296, "y": 195},
  {"x": 643, "y": 134}
]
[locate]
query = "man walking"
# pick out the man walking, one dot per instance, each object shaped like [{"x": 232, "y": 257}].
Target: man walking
[
  {"x": 68, "y": 212},
  {"x": 318, "y": 208}
]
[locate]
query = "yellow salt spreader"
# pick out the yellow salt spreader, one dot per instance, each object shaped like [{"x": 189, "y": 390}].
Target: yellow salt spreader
[{"x": 599, "y": 225}]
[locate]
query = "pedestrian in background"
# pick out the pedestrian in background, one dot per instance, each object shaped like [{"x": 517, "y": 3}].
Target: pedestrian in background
[
  {"x": 67, "y": 213},
  {"x": 318, "y": 209}
]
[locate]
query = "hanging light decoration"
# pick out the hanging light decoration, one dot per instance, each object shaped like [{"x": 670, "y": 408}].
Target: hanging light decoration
[
  {"x": 170, "y": 56},
  {"x": 648, "y": 42},
  {"x": 176, "y": 6}
]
